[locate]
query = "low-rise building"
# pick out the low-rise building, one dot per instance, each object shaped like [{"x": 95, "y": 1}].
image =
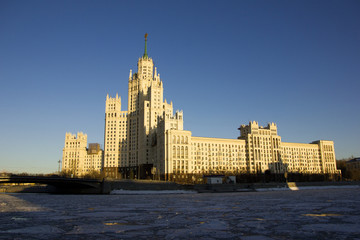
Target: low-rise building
[{"x": 353, "y": 164}]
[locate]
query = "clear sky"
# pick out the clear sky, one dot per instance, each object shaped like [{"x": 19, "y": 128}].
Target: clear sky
[{"x": 224, "y": 63}]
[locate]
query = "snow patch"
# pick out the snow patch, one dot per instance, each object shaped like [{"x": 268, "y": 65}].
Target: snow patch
[{"x": 304, "y": 188}]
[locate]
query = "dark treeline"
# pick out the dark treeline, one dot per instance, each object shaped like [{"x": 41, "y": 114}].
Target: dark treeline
[
  {"x": 200, "y": 178},
  {"x": 348, "y": 174}
]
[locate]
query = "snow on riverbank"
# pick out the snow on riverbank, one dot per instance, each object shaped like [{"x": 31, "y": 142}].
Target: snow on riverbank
[{"x": 294, "y": 188}]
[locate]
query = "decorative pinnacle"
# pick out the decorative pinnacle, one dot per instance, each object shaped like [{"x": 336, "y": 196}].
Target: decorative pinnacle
[{"x": 145, "y": 52}]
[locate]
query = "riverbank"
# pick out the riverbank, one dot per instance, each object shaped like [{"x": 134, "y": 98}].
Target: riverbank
[
  {"x": 109, "y": 186},
  {"x": 272, "y": 186}
]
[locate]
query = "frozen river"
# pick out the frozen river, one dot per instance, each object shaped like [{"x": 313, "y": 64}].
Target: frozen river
[{"x": 305, "y": 214}]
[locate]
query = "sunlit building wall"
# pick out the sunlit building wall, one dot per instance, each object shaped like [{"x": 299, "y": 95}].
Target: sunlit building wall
[
  {"x": 132, "y": 137},
  {"x": 94, "y": 159},
  {"x": 115, "y": 137},
  {"x": 266, "y": 151},
  {"x": 150, "y": 133},
  {"x": 155, "y": 136},
  {"x": 77, "y": 159}
]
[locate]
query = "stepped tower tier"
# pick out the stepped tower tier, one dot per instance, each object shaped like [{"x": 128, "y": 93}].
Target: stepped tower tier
[{"x": 146, "y": 108}]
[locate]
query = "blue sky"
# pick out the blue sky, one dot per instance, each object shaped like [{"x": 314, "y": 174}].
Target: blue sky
[{"x": 224, "y": 63}]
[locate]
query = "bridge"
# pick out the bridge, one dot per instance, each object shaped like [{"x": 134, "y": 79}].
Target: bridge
[{"x": 60, "y": 184}]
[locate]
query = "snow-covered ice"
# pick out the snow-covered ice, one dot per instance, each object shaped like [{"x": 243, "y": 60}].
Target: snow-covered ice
[{"x": 303, "y": 214}]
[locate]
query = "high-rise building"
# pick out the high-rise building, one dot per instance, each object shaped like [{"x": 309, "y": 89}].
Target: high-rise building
[
  {"x": 149, "y": 138},
  {"x": 131, "y": 136}
]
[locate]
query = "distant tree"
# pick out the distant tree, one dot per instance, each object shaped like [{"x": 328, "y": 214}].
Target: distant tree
[
  {"x": 347, "y": 174},
  {"x": 66, "y": 173},
  {"x": 353, "y": 174},
  {"x": 23, "y": 174},
  {"x": 55, "y": 174},
  {"x": 341, "y": 165},
  {"x": 93, "y": 174},
  {"x": 4, "y": 174}
]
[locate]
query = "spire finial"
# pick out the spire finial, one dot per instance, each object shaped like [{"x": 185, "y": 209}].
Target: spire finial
[{"x": 145, "y": 52}]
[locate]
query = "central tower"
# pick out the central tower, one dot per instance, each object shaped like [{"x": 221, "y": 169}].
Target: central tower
[
  {"x": 134, "y": 138},
  {"x": 145, "y": 106}
]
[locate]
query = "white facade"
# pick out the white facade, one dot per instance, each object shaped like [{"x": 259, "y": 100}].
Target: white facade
[
  {"x": 77, "y": 158},
  {"x": 150, "y": 133},
  {"x": 132, "y": 137},
  {"x": 115, "y": 140},
  {"x": 266, "y": 151}
]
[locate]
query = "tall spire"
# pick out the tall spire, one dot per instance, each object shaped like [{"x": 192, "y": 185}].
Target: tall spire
[{"x": 145, "y": 52}]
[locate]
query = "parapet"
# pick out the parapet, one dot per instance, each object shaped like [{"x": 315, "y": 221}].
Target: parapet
[
  {"x": 113, "y": 104},
  {"x": 81, "y": 136},
  {"x": 253, "y": 124},
  {"x": 254, "y": 128},
  {"x": 69, "y": 135},
  {"x": 178, "y": 114}
]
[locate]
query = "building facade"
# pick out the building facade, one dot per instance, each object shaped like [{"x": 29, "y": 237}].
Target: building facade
[
  {"x": 79, "y": 160},
  {"x": 266, "y": 151},
  {"x": 149, "y": 139},
  {"x": 353, "y": 164}
]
